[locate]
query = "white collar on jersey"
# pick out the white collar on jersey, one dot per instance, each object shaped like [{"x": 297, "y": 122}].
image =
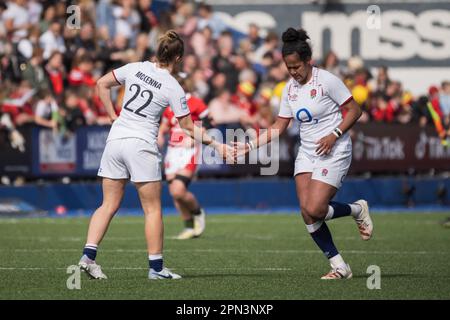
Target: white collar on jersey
[{"x": 154, "y": 66}]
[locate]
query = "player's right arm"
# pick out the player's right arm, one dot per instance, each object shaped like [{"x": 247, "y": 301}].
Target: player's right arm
[
  {"x": 104, "y": 85},
  {"x": 178, "y": 103},
  {"x": 273, "y": 132},
  {"x": 199, "y": 134}
]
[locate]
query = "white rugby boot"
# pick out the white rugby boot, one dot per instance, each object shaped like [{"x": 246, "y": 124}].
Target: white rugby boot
[
  {"x": 342, "y": 272},
  {"x": 187, "y": 233},
  {"x": 93, "y": 270},
  {"x": 363, "y": 220},
  {"x": 163, "y": 274},
  {"x": 199, "y": 223}
]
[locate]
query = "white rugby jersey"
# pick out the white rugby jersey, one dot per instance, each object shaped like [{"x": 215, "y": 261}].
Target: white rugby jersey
[
  {"x": 316, "y": 105},
  {"x": 148, "y": 91}
]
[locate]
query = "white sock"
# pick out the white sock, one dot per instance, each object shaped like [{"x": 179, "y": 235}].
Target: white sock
[
  {"x": 314, "y": 227},
  {"x": 356, "y": 209},
  {"x": 337, "y": 261},
  {"x": 90, "y": 246},
  {"x": 154, "y": 256},
  {"x": 330, "y": 213},
  {"x": 86, "y": 259}
]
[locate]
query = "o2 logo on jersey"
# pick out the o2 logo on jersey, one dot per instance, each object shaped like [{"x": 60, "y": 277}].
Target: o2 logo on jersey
[{"x": 303, "y": 115}]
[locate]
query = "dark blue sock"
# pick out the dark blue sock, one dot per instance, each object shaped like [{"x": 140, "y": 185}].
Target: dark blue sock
[
  {"x": 340, "y": 209},
  {"x": 90, "y": 252},
  {"x": 156, "y": 265},
  {"x": 322, "y": 237}
]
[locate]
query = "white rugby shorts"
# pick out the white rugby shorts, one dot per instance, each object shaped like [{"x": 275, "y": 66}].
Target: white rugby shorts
[
  {"x": 130, "y": 158},
  {"x": 330, "y": 169}
]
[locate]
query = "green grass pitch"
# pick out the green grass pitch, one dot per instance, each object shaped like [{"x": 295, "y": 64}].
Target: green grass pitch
[{"x": 238, "y": 257}]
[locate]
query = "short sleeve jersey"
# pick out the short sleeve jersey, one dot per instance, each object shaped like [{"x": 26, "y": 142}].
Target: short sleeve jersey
[
  {"x": 316, "y": 105},
  {"x": 148, "y": 92}
]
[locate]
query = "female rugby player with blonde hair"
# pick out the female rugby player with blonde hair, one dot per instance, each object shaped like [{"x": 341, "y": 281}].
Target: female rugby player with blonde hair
[{"x": 131, "y": 150}]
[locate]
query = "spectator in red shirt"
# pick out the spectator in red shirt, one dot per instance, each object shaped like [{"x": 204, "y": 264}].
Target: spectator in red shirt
[
  {"x": 19, "y": 104},
  {"x": 56, "y": 74},
  {"x": 93, "y": 109},
  {"x": 81, "y": 73},
  {"x": 382, "y": 110},
  {"x": 243, "y": 99}
]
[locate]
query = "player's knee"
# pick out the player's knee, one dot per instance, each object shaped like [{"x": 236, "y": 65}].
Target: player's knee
[
  {"x": 307, "y": 218},
  {"x": 304, "y": 209},
  {"x": 110, "y": 208},
  {"x": 317, "y": 211},
  {"x": 178, "y": 192},
  {"x": 152, "y": 211}
]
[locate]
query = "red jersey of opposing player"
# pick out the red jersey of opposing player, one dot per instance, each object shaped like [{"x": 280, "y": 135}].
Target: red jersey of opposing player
[{"x": 199, "y": 111}]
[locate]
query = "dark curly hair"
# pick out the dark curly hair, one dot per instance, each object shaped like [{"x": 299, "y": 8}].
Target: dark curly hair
[{"x": 295, "y": 41}]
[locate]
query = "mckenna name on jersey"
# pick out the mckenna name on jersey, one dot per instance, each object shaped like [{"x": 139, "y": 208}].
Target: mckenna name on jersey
[{"x": 148, "y": 80}]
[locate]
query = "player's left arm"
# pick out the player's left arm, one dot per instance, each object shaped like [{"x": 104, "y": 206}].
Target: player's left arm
[
  {"x": 325, "y": 144},
  {"x": 339, "y": 93},
  {"x": 354, "y": 112}
]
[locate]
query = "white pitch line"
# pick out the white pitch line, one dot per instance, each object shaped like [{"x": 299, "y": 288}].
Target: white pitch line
[
  {"x": 141, "y": 268},
  {"x": 68, "y": 239},
  {"x": 19, "y": 268},
  {"x": 251, "y": 237},
  {"x": 244, "y": 219},
  {"x": 274, "y": 251}
]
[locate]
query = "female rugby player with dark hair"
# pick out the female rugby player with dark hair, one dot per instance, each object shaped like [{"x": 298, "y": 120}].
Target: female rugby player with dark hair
[{"x": 314, "y": 97}]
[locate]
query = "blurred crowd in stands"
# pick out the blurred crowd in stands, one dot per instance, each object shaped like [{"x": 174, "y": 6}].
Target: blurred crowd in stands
[{"x": 50, "y": 61}]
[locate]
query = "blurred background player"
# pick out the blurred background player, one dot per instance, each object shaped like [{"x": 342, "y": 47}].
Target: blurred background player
[
  {"x": 314, "y": 97},
  {"x": 181, "y": 161},
  {"x": 131, "y": 150}
]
